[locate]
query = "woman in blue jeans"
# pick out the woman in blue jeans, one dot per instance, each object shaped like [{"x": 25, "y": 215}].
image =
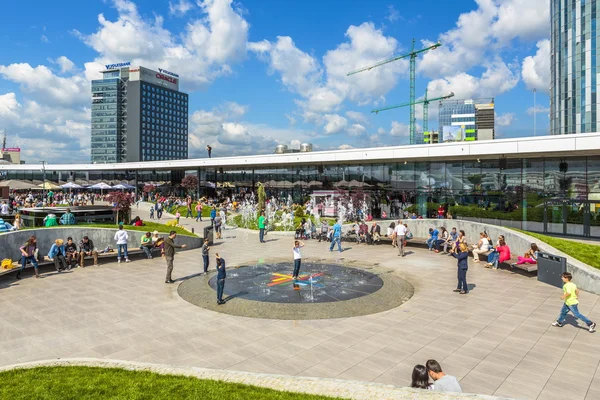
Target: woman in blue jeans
[{"x": 28, "y": 253}]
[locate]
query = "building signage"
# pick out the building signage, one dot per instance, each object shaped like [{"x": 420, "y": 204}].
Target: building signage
[
  {"x": 164, "y": 71},
  {"x": 12, "y": 149},
  {"x": 167, "y": 78},
  {"x": 118, "y": 65}
]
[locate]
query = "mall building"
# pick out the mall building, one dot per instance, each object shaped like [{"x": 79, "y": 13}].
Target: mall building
[{"x": 546, "y": 184}]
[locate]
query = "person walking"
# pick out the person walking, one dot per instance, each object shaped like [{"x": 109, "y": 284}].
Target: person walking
[
  {"x": 188, "y": 210},
  {"x": 198, "y": 211},
  {"x": 336, "y": 236},
  {"x": 221, "y": 275},
  {"x": 441, "y": 381},
  {"x": 28, "y": 253},
  {"x": 208, "y": 150},
  {"x": 261, "y": 227},
  {"x": 57, "y": 254},
  {"x": 571, "y": 299},
  {"x": 297, "y": 258},
  {"x": 205, "y": 250},
  {"x": 213, "y": 215},
  {"x": 400, "y": 233},
  {"x": 121, "y": 237},
  {"x": 463, "y": 265},
  {"x": 169, "y": 251},
  {"x": 159, "y": 210}
]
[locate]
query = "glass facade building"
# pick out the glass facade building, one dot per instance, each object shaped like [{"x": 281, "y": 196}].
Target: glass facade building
[
  {"x": 108, "y": 129},
  {"x": 138, "y": 115},
  {"x": 164, "y": 124},
  {"x": 573, "y": 67}
]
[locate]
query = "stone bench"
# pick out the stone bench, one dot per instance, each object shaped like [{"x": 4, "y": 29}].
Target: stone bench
[
  {"x": 513, "y": 260},
  {"x": 47, "y": 262}
]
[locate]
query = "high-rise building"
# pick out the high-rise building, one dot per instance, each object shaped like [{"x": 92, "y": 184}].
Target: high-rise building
[
  {"x": 466, "y": 120},
  {"x": 574, "y": 85},
  {"x": 138, "y": 115}
]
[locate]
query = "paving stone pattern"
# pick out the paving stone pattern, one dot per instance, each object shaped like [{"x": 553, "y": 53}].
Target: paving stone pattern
[{"x": 496, "y": 340}]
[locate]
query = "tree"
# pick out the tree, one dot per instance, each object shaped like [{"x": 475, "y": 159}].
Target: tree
[
  {"x": 149, "y": 188},
  {"x": 122, "y": 202},
  {"x": 262, "y": 198},
  {"x": 190, "y": 183}
]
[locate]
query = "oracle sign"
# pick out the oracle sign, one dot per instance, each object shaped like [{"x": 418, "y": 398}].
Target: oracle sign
[{"x": 167, "y": 78}]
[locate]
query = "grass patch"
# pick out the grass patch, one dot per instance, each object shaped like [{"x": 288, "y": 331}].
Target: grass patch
[
  {"x": 148, "y": 226},
  {"x": 586, "y": 253},
  {"x": 50, "y": 383}
]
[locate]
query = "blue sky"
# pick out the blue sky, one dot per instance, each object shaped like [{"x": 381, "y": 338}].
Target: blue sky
[{"x": 266, "y": 72}]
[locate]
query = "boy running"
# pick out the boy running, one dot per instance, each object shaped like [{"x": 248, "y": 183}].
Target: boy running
[{"x": 570, "y": 295}]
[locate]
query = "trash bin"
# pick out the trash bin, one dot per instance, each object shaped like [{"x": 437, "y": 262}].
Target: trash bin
[
  {"x": 550, "y": 269},
  {"x": 208, "y": 234}
]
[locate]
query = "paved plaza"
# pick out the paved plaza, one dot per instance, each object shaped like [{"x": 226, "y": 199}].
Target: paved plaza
[{"x": 496, "y": 340}]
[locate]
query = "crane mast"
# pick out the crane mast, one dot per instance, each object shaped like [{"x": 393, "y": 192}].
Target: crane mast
[{"x": 412, "y": 62}]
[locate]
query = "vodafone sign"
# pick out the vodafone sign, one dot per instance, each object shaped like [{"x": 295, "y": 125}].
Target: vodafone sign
[{"x": 167, "y": 78}]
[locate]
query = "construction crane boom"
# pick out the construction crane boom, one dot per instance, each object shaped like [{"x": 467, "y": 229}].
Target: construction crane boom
[
  {"x": 413, "y": 57},
  {"x": 396, "y": 58},
  {"x": 425, "y": 103}
]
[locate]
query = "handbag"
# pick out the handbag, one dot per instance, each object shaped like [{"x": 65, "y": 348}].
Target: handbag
[{"x": 7, "y": 263}]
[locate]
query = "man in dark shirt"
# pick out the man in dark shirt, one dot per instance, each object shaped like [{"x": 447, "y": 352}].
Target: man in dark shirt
[
  {"x": 221, "y": 275},
  {"x": 169, "y": 252},
  {"x": 86, "y": 248},
  {"x": 205, "y": 250},
  {"x": 71, "y": 252}
]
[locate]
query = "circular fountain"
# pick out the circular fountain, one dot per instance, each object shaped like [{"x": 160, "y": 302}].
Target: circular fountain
[{"x": 323, "y": 290}]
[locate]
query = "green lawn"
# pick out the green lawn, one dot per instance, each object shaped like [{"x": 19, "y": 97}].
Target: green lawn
[
  {"x": 587, "y": 253},
  {"x": 148, "y": 226},
  {"x": 49, "y": 383}
]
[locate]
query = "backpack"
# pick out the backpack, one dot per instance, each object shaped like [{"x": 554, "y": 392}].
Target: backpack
[{"x": 7, "y": 263}]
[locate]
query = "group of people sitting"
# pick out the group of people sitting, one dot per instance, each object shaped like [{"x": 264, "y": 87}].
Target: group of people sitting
[
  {"x": 442, "y": 382},
  {"x": 67, "y": 255},
  {"x": 364, "y": 234},
  {"x": 446, "y": 242}
]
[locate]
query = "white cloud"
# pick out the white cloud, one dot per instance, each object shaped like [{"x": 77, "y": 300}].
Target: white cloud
[
  {"x": 334, "y": 123},
  {"x": 41, "y": 83},
  {"x": 538, "y": 109},
  {"x": 345, "y": 147},
  {"x": 526, "y": 19},
  {"x": 204, "y": 51},
  {"x": 505, "y": 119},
  {"x": 399, "y": 129},
  {"x": 46, "y": 132},
  {"x": 234, "y": 134},
  {"x": 180, "y": 7},
  {"x": 65, "y": 64},
  {"x": 393, "y": 14},
  {"x": 291, "y": 119},
  {"x": 496, "y": 79},
  {"x": 324, "y": 87},
  {"x": 356, "y": 130},
  {"x": 536, "y": 69},
  {"x": 44, "y": 39},
  {"x": 357, "y": 116}
]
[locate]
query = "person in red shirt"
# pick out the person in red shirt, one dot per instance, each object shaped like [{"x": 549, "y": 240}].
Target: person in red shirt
[
  {"x": 441, "y": 212},
  {"x": 503, "y": 254}
]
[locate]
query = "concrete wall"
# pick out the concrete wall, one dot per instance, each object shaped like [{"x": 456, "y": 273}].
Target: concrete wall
[
  {"x": 102, "y": 237},
  {"x": 586, "y": 277}
]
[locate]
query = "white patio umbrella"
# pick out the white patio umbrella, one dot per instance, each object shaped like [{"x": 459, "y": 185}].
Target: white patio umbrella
[
  {"x": 123, "y": 186},
  {"x": 101, "y": 186},
  {"x": 71, "y": 185}
]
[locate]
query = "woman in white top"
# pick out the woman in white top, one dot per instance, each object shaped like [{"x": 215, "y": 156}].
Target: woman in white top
[
  {"x": 481, "y": 247},
  {"x": 121, "y": 238},
  {"x": 297, "y": 258}
]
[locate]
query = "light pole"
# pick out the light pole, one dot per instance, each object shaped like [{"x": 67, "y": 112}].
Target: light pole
[
  {"x": 43, "y": 182},
  {"x": 534, "y": 113}
]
